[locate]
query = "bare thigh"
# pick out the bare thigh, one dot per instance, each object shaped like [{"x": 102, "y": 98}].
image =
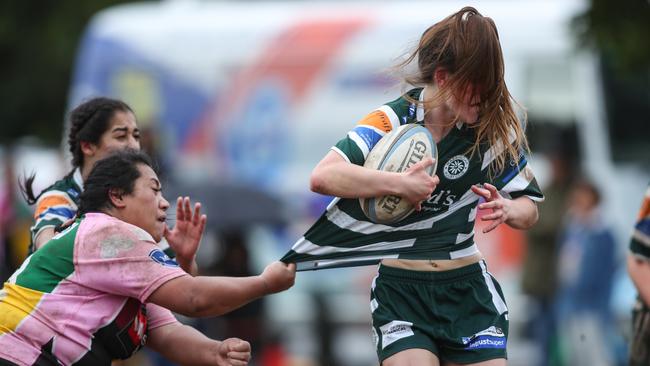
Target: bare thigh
[
  {"x": 495, "y": 362},
  {"x": 412, "y": 357}
]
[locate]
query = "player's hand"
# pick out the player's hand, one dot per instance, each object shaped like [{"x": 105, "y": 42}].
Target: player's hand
[
  {"x": 279, "y": 276},
  {"x": 233, "y": 352},
  {"x": 419, "y": 185},
  {"x": 186, "y": 235},
  {"x": 493, "y": 200}
]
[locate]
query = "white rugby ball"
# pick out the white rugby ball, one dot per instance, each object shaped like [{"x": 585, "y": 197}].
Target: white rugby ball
[{"x": 396, "y": 152}]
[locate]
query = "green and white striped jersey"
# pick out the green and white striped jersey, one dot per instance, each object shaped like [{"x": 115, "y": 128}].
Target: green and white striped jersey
[{"x": 444, "y": 228}]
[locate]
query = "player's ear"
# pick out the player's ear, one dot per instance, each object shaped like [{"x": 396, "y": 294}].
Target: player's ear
[
  {"x": 116, "y": 198},
  {"x": 87, "y": 148},
  {"x": 440, "y": 76}
]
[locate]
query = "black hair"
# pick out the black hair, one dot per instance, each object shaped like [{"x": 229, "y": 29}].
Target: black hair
[
  {"x": 115, "y": 173},
  {"x": 88, "y": 122}
]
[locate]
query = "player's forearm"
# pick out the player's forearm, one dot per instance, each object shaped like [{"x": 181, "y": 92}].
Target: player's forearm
[
  {"x": 342, "y": 179},
  {"x": 639, "y": 271},
  {"x": 523, "y": 213},
  {"x": 214, "y": 296},
  {"x": 183, "y": 344}
]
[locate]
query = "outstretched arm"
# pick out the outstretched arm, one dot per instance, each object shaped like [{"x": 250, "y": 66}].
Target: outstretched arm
[
  {"x": 185, "y": 345},
  {"x": 519, "y": 213},
  {"x": 214, "y": 296}
]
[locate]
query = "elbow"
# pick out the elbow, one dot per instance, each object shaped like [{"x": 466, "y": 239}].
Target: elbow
[
  {"x": 196, "y": 303},
  {"x": 317, "y": 182}
]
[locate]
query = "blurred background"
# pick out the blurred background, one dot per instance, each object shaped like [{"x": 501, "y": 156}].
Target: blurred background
[{"x": 238, "y": 101}]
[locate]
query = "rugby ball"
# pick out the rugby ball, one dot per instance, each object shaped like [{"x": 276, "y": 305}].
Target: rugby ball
[{"x": 396, "y": 152}]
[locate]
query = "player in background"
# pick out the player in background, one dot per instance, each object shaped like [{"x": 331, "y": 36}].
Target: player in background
[
  {"x": 638, "y": 265},
  {"x": 54, "y": 307},
  {"x": 433, "y": 301},
  {"x": 98, "y": 127}
]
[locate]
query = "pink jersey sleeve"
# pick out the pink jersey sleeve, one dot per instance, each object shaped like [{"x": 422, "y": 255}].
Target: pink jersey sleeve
[
  {"x": 116, "y": 257},
  {"x": 157, "y": 316}
]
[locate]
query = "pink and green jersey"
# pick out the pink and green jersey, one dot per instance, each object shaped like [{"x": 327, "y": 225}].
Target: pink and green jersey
[{"x": 66, "y": 303}]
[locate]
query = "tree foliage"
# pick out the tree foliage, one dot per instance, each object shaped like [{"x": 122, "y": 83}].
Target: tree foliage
[
  {"x": 38, "y": 40},
  {"x": 621, "y": 31}
]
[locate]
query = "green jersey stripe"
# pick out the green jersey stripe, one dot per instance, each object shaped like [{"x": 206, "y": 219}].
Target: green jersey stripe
[{"x": 50, "y": 264}]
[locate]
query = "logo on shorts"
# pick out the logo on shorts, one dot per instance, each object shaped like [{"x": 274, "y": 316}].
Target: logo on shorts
[
  {"x": 491, "y": 337},
  {"x": 395, "y": 331},
  {"x": 159, "y": 256},
  {"x": 456, "y": 167}
]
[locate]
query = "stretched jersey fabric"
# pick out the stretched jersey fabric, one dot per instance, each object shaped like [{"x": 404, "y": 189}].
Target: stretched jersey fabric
[
  {"x": 443, "y": 229},
  {"x": 67, "y": 301},
  {"x": 640, "y": 243}
]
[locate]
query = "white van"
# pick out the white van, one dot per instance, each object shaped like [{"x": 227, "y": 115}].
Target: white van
[{"x": 255, "y": 93}]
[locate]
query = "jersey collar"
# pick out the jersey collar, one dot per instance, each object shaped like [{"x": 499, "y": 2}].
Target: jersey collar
[{"x": 76, "y": 176}]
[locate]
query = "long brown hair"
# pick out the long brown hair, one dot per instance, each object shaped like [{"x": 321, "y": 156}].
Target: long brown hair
[{"x": 466, "y": 44}]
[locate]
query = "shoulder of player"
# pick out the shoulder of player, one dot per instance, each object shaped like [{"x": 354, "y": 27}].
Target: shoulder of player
[
  {"x": 99, "y": 225},
  {"x": 65, "y": 187},
  {"x": 392, "y": 114}
]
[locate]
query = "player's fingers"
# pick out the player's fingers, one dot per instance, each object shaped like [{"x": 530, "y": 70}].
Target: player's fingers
[
  {"x": 197, "y": 213},
  {"x": 481, "y": 191},
  {"x": 493, "y": 190},
  {"x": 491, "y": 227},
  {"x": 239, "y": 356},
  {"x": 179, "y": 209},
  {"x": 238, "y": 363},
  {"x": 187, "y": 208},
  {"x": 493, "y": 216},
  {"x": 428, "y": 161},
  {"x": 238, "y": 345},
  {"x": 490, "y": 205},
  {"x": 418, "y": 206},
  {"x": 202, "y": 223}
]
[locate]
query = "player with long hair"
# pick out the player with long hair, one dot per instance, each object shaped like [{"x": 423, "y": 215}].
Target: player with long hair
[{"x": 433, "y": 301}]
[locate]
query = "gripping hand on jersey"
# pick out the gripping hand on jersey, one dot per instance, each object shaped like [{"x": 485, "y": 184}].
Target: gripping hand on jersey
[
  {"x": 186, "y": 235},
  {"x": 499, "y": 205}
]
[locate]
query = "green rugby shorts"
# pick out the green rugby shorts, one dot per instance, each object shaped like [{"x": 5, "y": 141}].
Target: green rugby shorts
[{"x": 459, "y": 315}]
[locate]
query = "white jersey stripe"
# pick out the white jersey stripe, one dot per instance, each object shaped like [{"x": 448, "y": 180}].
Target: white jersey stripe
[
  {"x": 496, "y": 150},
  {"x": 472, "y": 215},
  {"x": 338, "y": 151},
  {"x": 464, "y": 252},
  {"x": 462, "y": 237},
  {"x": 498, "y": 302},
  {"x": 641, "y": 237},
  {"x": 341, "y": 219},
  {"x": 373, "y": 305},
  {"x": 361, "y": 144},
  {"x": 305, "y": 246},
  {"x": 327, "y": 263}
]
